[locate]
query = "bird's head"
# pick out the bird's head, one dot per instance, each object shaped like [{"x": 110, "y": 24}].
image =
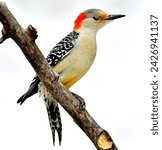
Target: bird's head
[{"x": 94, "y": 19}]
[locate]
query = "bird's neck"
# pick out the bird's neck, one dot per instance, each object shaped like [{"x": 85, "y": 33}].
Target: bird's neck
[{"x": 88, "y": 32}]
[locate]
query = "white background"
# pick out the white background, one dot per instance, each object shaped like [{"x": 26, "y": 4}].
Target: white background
[{"x": 116, "y": 89}]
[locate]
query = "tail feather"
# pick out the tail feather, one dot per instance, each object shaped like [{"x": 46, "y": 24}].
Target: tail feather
[
  {"x": 33, "y": 89},
  {"x": 55, "y": 120},
  {"x": 51, "y": 105}
]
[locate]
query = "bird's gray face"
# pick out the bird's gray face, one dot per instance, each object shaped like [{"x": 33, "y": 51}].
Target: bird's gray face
[{"x": 94, "y": 19}]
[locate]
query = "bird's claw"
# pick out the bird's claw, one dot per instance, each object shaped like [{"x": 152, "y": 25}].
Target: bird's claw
[{"x": 80, "y": 99}]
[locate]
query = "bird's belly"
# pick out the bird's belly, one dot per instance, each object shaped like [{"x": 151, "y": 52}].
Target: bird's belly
[{"x": 75, "y": 65}]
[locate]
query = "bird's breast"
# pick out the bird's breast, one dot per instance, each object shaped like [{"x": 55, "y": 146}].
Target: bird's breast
[{"x": 78, "y": 62}]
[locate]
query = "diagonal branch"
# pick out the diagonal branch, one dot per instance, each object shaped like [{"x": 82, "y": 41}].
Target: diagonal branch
[{"x": 25, "y": 39}]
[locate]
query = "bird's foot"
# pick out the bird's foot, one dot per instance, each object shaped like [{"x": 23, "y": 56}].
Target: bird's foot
[{"x": 80, "y": 99}]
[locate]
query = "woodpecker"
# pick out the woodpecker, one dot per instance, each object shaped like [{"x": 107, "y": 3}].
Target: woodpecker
[{"x": 71, "y": 58}]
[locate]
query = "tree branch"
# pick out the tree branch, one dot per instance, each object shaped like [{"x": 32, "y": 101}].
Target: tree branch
[{"x": 25, "y": 39}]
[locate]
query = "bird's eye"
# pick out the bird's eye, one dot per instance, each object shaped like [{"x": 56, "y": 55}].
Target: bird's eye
[{"x": 96, "y": 18}]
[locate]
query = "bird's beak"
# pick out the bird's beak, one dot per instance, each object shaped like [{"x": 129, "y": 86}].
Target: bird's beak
[{"x": 113, "y": 17}]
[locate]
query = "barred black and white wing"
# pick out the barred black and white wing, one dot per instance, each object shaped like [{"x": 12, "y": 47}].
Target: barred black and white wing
[{"x": 63, "y": 48}]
